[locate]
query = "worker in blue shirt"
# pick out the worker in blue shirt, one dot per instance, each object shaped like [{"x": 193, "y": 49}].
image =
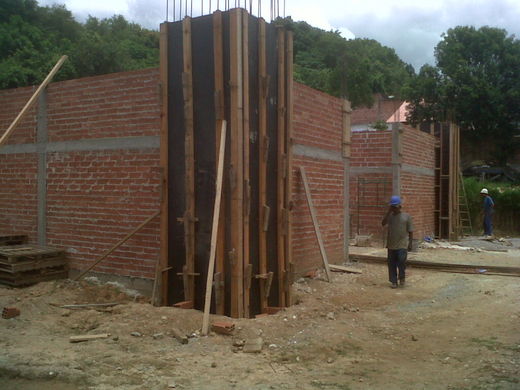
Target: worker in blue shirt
[{"x": 488, "y": 209}]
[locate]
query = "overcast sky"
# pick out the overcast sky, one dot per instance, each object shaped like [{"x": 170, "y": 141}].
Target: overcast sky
[{"x": 411, "y": 27}]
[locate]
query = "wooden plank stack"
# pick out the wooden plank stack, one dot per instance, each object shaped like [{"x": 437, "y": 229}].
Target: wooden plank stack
[{"x": 22, "y": 265}]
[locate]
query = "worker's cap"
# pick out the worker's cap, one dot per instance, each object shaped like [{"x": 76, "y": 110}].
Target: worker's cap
[
  {"x": 395, "y": 200},
  {"x": 484, "y": 191}
]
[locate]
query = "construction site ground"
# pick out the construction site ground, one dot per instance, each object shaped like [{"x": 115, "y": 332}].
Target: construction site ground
[{"x": 441, "y": 331}]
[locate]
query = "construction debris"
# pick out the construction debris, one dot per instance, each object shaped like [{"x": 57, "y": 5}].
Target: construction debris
[
  {"x": 88, "y": 337},
  {"x": 342, "y": 268},
  {"x": 223, "y": 327},
  {"x": 10, "y": 312},
  {"x": 253, "y": 345}
]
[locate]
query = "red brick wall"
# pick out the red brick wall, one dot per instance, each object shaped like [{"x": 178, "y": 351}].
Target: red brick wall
[
  {"x": 94, "y": 197},
  {"x": 18, "y": 203},
  {"x": 418, "y": 186},
  {"x": 369, "y": 191},
  {"x": 318, "y": 124}
]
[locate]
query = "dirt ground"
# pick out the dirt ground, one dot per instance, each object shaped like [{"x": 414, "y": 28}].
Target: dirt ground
[{"x": 441, "y": 331}]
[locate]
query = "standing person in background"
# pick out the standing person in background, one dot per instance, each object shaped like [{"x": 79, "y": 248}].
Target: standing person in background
[
  {"x": 488, "y": 208},
  {"x": 399, "y": 241}
]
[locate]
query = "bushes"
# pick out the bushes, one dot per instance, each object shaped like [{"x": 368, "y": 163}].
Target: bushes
[{"x": 507, "y": 205}]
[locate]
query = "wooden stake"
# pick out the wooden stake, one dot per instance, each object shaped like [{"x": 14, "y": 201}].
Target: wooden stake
[
  {"x": 246, "y": 138},
  {"x": 263, "y": 145},
  {"x": 281, "y": 164},
  {"x": 220, "y": 115},
  {"x": 315, "y": 223},
  {"x": 214, "y": 230},
  {"x": 32, "y": 100},
  {"x": 162, "y": 276},
  {"x": 289, "y": 153},
  {"x": 189, "y": 148},
  {"x": 125, "y": 239},
  {"x": 237, "y": 168}
]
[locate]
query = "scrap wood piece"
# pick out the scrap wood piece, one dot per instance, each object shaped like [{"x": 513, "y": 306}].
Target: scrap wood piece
[
  {"x": 10, "y": 312},
  {"x": 88, "y": 305},
  {"x": 32, "y": 100},
  {"x": 88, "y": 337},
  {"x": 342, "y": 268},
  {"x": 497, "y": 270},
  {"x": 315, "y": 223},
  {"x": 223, "y": 327}
]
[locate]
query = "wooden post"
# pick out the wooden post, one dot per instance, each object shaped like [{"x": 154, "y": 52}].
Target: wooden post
[
  {"x": 289, "y": 166},
  {"x": 315, "y": 223},
  {"x": 32, "y": 100},
  {"x": 220, "y": 115},
  {"x": 163, "y": 251},
  {"x": 237, "y": 167},
  {"x": 246, "y": 142},
  {"x": 263, "y": 145},
  {"x": 281, "y": 164},
  {"x": 189, "y": 148},
  {"x": 214, "y": 229}
]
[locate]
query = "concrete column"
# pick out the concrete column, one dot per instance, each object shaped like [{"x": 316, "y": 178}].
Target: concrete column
[
  {"x": 347, "y": 131},
  {"x": 396, "y": 158}
]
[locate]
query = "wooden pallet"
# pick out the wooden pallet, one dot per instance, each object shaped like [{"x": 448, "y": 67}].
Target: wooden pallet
[
  {"x": 18, "y": 253},
  {"x": 35, "y": 276},
  {"x": 13, "y": 239},
  {"x": 22, "y": 265}
]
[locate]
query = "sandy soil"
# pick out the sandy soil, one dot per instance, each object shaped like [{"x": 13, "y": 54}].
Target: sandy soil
[{"x": 442, "y": 331}]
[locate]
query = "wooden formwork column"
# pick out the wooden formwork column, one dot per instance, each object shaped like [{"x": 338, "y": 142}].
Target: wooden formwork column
[
  {"x": 281, "y": 168},
  {"x": 248, "y": 269},
  {"x": 236, "y": 173},
  {"x": 289, "y": 265},
  {"x": 219, "y": 280},
  {"x": 263, "y": 148},
  {"x": 162, "y": 275},
  {"x": 454, "y": 182},
  {"x": 189, "y": 149}
]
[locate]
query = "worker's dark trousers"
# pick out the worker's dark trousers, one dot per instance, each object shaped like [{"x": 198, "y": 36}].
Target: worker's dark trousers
[
  {"x": 488, "y": 224},
  {"x": 396, "y": 262}
]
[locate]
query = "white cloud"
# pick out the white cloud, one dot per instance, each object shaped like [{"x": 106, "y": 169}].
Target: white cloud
[{"x": 411, "y": 27}]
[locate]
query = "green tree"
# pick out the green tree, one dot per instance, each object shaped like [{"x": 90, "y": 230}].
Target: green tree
[
  {"x": 355, "y": 69},
  {"x": 476, "y": 83}
]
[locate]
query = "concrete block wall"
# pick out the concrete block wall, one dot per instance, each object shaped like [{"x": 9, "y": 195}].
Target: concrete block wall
[{"x": 317, "y": 147}]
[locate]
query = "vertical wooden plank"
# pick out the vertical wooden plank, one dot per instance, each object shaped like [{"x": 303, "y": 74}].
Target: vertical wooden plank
[
  {"x": 162, "y": 275},
  {"x": 263, "y": 145},
  {"x": 214, "y": 229},
  {"x": 281, "y": 172},
  {"x": 220, "y": 115},
  {"x": 246, "y": 141},
  {"x": 289, "y": 166},
  {"x": 189, "y": 215},
  {"x": 236, "y": 166}
]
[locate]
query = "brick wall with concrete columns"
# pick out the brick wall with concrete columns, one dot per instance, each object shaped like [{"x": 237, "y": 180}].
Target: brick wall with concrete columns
[
  {"x": 317, "y": 147},
  {"x": 81, "y": 169}
]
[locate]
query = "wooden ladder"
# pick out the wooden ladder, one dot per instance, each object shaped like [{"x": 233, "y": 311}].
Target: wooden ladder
[{"x": 465, "y": 225}]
